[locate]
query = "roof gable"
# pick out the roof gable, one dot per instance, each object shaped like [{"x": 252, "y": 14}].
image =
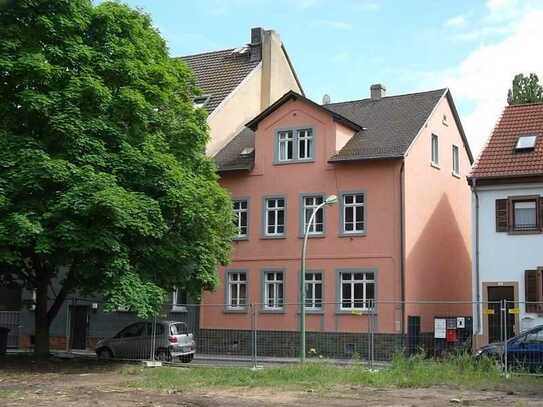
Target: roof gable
[
  {"x": 291, "y": 95},
  {"x": 500, "y": 158}
]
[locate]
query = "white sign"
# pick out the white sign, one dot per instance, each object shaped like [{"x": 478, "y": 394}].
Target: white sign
[
  {"x": 440, "y": 328},
  {"x": 460, "y": 322}
]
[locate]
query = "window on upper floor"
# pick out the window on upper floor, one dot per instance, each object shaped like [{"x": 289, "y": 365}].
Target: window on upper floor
[
  {"x": 294, "y": 145},
  {"x": 435, "y": 150},
  {"x": 241, "y": 218},
  {"x": 353, "y": 213},
  {"x": 522, "y": 214},
  {"x": 274, "y": 217},
  {"x": 455, "y": 161},
  {"x": 310, "y": 203},
  {"x": 179, "y": 300}
]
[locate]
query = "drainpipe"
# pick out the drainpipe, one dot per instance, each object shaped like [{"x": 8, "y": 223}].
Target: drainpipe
[
  {"x": 402, "y": 246},
  {"x": 477, "y": 278}
]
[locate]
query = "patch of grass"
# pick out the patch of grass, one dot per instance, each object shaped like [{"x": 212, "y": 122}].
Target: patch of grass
[
  {"x": 8, "y": 393},
  {"x": 415, "y": 371}
]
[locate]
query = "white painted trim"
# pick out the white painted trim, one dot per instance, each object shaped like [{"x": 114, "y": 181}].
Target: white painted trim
[
  {"x": 426, "y": 123},
  {"x": 507, "y": 187}
]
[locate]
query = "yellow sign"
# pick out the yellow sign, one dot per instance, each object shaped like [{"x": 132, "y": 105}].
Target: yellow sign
[
  {"x": 514, "y": 310},
  {"x": 488, "y": 311},
  {"x": 356, "y": 312}
]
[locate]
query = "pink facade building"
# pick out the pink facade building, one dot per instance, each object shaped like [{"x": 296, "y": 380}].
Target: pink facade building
[{"x": 399, "y": 234}]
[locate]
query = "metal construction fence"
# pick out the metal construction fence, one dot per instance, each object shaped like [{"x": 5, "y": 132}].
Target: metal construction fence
[{"x": 366, "y": 332}]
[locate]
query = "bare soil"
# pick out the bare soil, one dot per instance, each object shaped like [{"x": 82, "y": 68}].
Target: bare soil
[{"x": 26, "y": 382}]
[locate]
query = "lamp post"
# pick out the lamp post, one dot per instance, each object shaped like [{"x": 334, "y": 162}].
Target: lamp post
[{"x": 332, "y": 199}]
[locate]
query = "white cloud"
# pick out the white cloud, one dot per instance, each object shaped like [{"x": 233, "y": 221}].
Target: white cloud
[
  {"x": 484, "y": 77},
  {"x": 335, "y": 24},
  {"x": 455, "y": 22}
]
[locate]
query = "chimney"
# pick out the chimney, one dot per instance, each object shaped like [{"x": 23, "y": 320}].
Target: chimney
[
  {"x": 377, "y": 91},
  {"x": 257, "y": 35},
  {"x": 326, "y": 99}
]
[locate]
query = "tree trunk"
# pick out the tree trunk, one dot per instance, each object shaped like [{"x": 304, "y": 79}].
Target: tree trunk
[{"x": 41, "y": 322}]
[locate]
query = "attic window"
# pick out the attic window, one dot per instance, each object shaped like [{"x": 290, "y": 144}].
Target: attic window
[
  {"x": 526, "y": 142},
  {"x": 200, "y": 101},
  {"x": 247, "y": 151}
]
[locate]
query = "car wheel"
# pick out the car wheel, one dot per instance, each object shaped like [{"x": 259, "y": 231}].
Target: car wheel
[
  {"x": 163, "y": 355},
  {"x": 104, "y": 354},
  {"x": 187, "y": 358}
]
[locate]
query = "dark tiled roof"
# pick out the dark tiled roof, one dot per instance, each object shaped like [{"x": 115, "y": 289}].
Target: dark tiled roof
[
  {"x": 219, "y": 72},
  {"x": 230, "y": 158},
  {"x": 390, "y": 124},
  {"x": 499, "y": 158}
]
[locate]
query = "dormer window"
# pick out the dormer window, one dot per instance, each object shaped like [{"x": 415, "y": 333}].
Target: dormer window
[
  {"x": 200, "y": 101},
  {"x": 294, "y": 145},
  {"x": 526, "y": 142}
]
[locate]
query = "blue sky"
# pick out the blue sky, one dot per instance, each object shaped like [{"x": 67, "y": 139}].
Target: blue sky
[{"x": 341, "y": 47}]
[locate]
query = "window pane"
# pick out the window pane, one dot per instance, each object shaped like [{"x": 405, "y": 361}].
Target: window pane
[
  {"x": 346, "y": 276},
  {"x": 271, "y": 203},
  {"x": 279, "y": 276},
  {"x": 370, "y": 291},
  {"x": 346, "y": 295},
  {"x": 281, "y": 217},
  {"x": 242, "y": 276},
  {"x": 280, "y": 203},
  {"x": 280, "y": 294},
  {"x": 242, "y": 294},
  {"x": 349, "y": 215},
  {"x": 359, "y": 198},
  {"x": 359, "y": 276},
  {"x": 318, "y": 291},
  {"x": 359, "y": 295},
  {"x": 348, "y": 199}
]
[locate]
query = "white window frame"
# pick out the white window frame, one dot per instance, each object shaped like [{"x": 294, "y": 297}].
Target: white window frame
[
  {"x": 455, "y": 160},
  {"x": 238, "y": 218},
  {"x": 367, "y": 304},
  {"x": 235, "y": 282},
  {"x": 345, "y": 206},
  {"x": 305, "y": 137},
  {"x": 285, "y": 138},
  {"x": 277, "y": 302},
  {"x": 435, "y": 150},
  {"x": 176, "y": 307},
  {"x": 275, "y": 209},
  {"x": 307, "y": 210},
  {"x": 311, "y": 281}
]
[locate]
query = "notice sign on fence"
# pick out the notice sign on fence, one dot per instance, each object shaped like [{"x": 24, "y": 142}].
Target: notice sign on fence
[{"x": 440, "y": 328}]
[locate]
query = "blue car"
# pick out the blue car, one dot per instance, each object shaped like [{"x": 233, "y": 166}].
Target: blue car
[{"x": 524, "y": 351}]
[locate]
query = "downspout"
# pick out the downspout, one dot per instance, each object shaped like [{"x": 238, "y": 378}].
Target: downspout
[
  {"x": 402, "y": 246},
  {"x": 477, "y": 278}
]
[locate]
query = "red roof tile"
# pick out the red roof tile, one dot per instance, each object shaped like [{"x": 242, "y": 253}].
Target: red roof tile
[{"x": 499, "y": 158}]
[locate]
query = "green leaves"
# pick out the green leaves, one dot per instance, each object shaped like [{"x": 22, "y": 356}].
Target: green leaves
[
  {"x": 102, "y": 156},
  {"x": 526, "y": 89}
]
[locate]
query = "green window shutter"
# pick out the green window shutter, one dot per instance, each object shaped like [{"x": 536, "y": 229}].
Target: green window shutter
[{"x": 502, "y": 215}]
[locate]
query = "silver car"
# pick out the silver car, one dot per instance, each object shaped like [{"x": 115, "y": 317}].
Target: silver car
[{"x": 169, "y": 340}]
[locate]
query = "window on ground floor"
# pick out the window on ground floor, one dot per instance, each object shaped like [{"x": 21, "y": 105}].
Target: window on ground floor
[
  {"x": 273, "y": 290},
  {"x": 237, "y": 289},
  {"x": 357, "y": 290},
  {"x": 313, "y": 291},
  {"x": 533, "y": 285}
]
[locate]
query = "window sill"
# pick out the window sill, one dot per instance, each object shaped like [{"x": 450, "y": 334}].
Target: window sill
[
  {"x": 271, "y": 237},
  {"x": 240, "y": 310},
  {"x": 178, "y": 309},
  {"x": 272, "y": 311},
  {"x": 357, "y": 234},
  {"x": 355, "y": 313},
  {"x": 312, "y": 160},
  {"x": 313, "y": 236},
  {"x": 435, "y": 165},
  {"x": 525, "y": 232},
  {"x": 456, "y": 175},
  {"x": 240, "y": 238},
  {"x": 313, "y": 312}
]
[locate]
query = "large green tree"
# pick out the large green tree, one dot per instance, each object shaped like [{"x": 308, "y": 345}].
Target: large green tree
[
  {"x": 104, "y": 183},
  {"x": 525, "y": 89}
]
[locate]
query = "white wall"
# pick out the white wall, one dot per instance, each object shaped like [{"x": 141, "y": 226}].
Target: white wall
[{"x": 505, "y": 257}]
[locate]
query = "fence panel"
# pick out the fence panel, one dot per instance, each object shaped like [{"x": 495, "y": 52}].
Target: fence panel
[{"x": 523, "y": 334}]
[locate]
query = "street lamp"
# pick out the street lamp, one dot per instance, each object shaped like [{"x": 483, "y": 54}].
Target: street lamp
[{"x": 332, "y": 199}]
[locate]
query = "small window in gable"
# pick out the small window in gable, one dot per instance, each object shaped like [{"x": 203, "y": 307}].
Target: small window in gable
[
  {"x": 294, "y": 145},
  {"x": 286, "y": 145},
  {"x": 435, "y": 150},
  {"x": 200, "y": 101}
]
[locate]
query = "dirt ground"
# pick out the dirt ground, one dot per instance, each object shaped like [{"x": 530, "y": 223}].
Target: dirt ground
[{"x": 77, "y": 384}]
